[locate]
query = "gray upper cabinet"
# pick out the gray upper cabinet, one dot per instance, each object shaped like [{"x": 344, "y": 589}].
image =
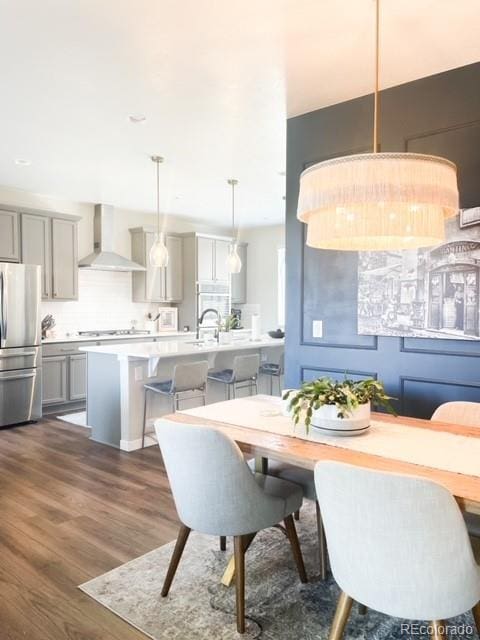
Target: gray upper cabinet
[
  {"x": 64, "y": 259},
  {"x": 205, "y": 258},
  {"x": 9, "y": 236},
  {"x": 157, "y": 284},
  {"x": 222, "y": 248},
  {"x": 174, "y": 271},
  {"x": 212, "y": 260},
  {"x": 49, "y": 240},
  {"x": 239, "y": 280},
  {"x": 36, "y": 247}
]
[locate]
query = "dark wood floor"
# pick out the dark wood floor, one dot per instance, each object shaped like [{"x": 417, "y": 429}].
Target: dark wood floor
[{"x": 71, "y": 509}]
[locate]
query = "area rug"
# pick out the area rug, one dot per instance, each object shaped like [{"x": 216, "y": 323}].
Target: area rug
[
  {"x": 278, "y": 606},
  {"x": 79, "y": 418}
]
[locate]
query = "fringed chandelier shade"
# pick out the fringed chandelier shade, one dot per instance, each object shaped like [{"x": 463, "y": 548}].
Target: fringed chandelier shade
[{"x": 378, "y": 201}]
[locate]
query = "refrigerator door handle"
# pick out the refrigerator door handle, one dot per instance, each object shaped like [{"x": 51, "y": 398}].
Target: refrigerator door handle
[
  {"x": 16, "y": 376},
  {"x": 20, "y": 354},
  {"x": 3, "y": 310}
]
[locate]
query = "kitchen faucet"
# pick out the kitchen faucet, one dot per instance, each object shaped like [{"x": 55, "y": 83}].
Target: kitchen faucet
[{"x": 200, "y": 320}]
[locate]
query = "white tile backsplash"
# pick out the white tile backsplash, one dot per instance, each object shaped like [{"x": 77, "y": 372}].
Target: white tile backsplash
[{"x": 104, "y": 302}]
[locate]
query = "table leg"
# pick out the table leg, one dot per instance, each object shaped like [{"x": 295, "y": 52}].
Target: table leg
[
  {"x": 261, "y": 465},
  {"x": 229, "y": 572}
]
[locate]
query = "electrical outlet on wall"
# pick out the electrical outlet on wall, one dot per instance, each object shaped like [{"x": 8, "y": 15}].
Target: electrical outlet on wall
[
  {"x": 317, "y": 328},
  {"x": 138, "y": 374}
]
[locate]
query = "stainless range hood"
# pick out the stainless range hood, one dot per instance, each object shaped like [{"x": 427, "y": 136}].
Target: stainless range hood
[{"x": 103, "y": 257}]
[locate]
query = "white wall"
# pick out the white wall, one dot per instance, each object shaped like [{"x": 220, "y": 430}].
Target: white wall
[
  {"x": 105, "y": 299},
  {"x": 262, "y": 278}
]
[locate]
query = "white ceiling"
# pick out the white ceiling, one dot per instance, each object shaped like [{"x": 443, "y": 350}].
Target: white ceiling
[{"x": 215, "y": 79}]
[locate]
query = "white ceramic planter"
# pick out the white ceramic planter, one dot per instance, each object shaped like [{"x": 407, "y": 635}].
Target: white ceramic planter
[
  {"x": 224, "y": 337},
  {"x": 325, "y": 420}
]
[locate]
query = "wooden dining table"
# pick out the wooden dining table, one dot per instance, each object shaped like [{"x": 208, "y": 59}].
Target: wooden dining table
[
  {"x": 304, "y": 453},
  {"x": 256, "y": 442}
]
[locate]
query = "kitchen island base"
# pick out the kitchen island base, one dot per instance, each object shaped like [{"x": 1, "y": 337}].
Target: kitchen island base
[{"x": 116, "y": 376}]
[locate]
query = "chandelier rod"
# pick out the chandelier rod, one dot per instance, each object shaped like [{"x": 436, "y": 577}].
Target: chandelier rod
[{"x": 376, "y": 105}]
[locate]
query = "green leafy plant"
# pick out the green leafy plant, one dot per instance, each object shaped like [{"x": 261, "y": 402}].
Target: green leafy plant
[
  {"x": 229, "y": 322},
  {"x": 346, "y": 395}
]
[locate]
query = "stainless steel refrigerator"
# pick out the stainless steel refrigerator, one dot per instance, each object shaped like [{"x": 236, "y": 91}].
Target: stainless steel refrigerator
[{"x": 20, "y": 344}]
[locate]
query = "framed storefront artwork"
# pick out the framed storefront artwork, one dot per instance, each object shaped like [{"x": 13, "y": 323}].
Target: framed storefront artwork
[{"x": 427, "y": 293}]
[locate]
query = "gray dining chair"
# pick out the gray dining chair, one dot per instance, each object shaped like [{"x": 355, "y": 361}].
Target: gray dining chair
[
  {"x": 274, "y": 370},
  {"x": 216, "y": 493},
  {"x": 466, "y": 414},
  {"x": 187, "y": 377},
  {"x": 243, "y": 374},
  {"x": 305, "y": 479},
  {"x": 397, "y": 544}
]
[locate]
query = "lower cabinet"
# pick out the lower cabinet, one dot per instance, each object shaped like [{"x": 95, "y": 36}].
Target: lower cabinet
[
  {"x": 54, "y": 380},
  {"x": 64, "y": 379},
  {"x": 77, "y": 377}
]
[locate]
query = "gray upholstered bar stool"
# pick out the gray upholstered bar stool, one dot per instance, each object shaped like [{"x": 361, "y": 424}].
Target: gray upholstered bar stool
[
  {"x": 244, "y": 374},
  {"x": 189, "y": 376},
  {"x": 274, "y": 370}
]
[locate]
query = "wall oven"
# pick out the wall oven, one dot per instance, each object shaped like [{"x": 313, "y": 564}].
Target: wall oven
[{"x": 213, "y": 296}]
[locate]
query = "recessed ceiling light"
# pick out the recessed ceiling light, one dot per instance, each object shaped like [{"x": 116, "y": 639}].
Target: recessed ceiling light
[
  {"x": 23, "y": 162},
  {"x": 137, "y": 118}
]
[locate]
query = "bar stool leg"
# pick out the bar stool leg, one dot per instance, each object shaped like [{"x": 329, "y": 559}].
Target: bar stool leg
[
  {"x": 173, "y": 403},
  {"x": 144, "y": 418},
  {"x": 234, "y": 391},
  {"x": 271, "y": 385}
]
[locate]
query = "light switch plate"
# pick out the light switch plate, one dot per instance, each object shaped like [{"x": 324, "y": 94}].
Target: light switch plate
[
  {"x": 317, "y": 328},
  {"x": 138, "y": 374}
]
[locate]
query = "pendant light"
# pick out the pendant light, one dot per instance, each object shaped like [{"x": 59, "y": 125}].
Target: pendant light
[
  {"x": 234, "y": 262},
  {"x": 378, "y": 201},
  {"x": 159, "y": 252}
]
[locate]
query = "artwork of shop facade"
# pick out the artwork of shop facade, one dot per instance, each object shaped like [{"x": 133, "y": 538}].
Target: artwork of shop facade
[{"x": 427, "y": 293}]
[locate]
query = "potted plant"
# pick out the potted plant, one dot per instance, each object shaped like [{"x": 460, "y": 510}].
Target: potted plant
[{"x": 338, "y": 408}]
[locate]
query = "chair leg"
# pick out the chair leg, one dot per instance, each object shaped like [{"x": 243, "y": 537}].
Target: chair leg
[
  {"x": 438, "y": 630},
  {"x": 239, "y": 550},
  {"x": 362, "y": 609},
  {"x": 322, "y": 544},
  {"x": 234, "y": 392},
  {"x": 297, "y": 552},
  {"x": 223, "y": 543},
  {"x": 296, "y": 515},
  {"x": 271, "y": 385},
  {"x": 476, "y": 616},
  {"x": 342, "y": 612},
  {"x": 144, "y": 418},
  {"x": 175, "y": 559}
]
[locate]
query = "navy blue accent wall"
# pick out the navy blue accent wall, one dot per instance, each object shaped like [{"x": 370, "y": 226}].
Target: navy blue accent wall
[{"x": 438, "y": 115}]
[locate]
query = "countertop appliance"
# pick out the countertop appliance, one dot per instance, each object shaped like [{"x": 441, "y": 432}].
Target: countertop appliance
[
  {"x": 114, "y": 332},
  {"x": 20, "y": 339}
]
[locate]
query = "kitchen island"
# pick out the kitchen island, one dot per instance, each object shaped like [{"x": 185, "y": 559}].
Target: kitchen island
[{"x": 116, "y": 374}]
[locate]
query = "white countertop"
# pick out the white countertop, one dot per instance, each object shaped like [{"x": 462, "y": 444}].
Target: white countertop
[
  {"x": 101, "y": 338},
  {"x": 172, "y": 348}
]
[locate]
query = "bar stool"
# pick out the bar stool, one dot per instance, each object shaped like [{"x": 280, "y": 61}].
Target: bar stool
[
  {"x": 190, "y": 376},
  {"x": 274, "y": 371},
  {"x": 244, "y": 374}
]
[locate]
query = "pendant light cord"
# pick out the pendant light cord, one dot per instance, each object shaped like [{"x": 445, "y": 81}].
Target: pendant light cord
[
  {"x": 376, "y": 104},
  {"x": 158, "y": 201},
  {"x": 233, "y": 211}
]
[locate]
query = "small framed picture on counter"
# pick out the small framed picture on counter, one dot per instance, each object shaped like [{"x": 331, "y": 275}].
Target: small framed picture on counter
[{"x": 168, "y": 319}]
